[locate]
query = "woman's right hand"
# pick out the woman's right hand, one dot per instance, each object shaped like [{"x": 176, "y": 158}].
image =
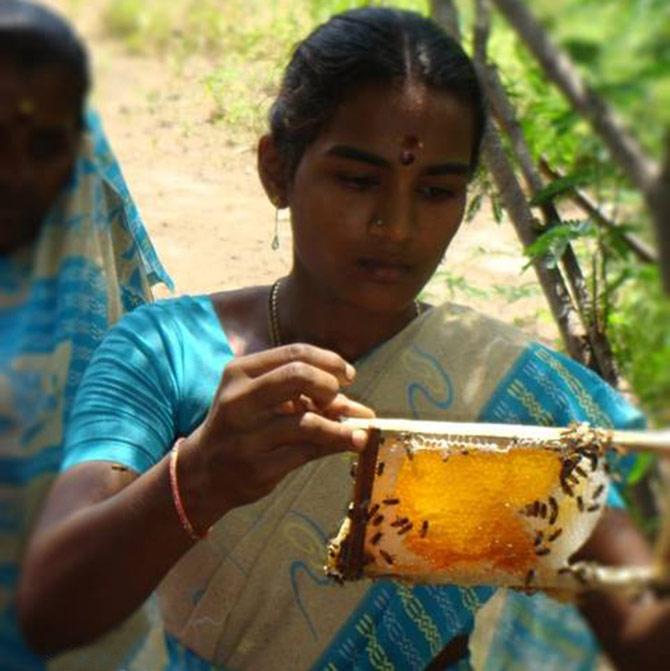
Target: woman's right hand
[{"x": 273, "y": 412}]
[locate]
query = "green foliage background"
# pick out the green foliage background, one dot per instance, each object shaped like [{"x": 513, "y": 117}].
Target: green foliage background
[{"x": 622, "y": 47}]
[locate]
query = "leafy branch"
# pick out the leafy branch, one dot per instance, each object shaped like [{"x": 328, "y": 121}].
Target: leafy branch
[{"x": 652, "y": 180}]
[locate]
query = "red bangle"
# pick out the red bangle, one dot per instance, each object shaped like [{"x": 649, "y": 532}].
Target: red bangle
[{"x": 176, "y": 496}]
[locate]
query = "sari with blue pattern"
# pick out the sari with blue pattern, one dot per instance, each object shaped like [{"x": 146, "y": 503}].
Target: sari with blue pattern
[
  {"x": 92, "y": 262},
  {"x": 253, "y": 595}
]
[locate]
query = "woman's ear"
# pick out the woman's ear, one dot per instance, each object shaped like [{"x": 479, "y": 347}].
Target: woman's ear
[{"x": 272, "y": 172}]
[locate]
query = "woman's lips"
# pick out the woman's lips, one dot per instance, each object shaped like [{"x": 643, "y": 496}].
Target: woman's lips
[{"x": 383, "y": 270}]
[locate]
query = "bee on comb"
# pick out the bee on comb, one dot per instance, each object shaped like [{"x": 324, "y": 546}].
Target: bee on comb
[{"x": 540, "y": 492}]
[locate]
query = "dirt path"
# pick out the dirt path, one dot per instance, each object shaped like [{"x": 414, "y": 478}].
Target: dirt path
[{"x": 196, "y": 185}]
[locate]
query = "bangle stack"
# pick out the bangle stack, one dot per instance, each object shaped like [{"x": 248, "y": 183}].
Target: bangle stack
[{"x": 176, "y": 496}]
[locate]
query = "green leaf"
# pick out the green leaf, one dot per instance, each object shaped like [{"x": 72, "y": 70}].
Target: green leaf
[
  {"x": 583, "y": 51},
  {"x": 474, "y": 206},
  {"x": 553, "y": 242},
  {"x": 561, "y": 185},
  {"x": 641, "y": 466},
  {"x": 497, "y": 208}
]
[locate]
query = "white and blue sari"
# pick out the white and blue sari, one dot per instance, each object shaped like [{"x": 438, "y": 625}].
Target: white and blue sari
[
  {"x": 92, "y": 262},
  {"x": 253, "y": 595}
]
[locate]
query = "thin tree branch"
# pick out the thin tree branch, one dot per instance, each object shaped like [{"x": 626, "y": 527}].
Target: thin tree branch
[
  {"x": 482, "y": 30},
  {"x": 445, "y": 13},
  {"x": 550, "y": 278},
  {"x": 641, "y": 170},
  {"x": 586, "y": 305},
  {"x": 641, "y": 249},
  {"x": 599, "y": 356},
  {"x": 515, "y": 203}
]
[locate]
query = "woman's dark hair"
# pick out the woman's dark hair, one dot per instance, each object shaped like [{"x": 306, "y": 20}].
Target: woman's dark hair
[
  {"x": 33, "y": 36},
  {"x": 361, "y": 46}
]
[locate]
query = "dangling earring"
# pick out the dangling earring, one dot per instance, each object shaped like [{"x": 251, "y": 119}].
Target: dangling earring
[{"x": 275, "y": 238}]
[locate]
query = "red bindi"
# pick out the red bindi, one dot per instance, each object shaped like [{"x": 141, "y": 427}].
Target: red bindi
[{"x": 408, "y": 147}]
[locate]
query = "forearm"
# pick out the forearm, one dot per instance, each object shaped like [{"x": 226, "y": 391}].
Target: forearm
[
  {"x": 104, "y": 542},
  {"x": 635, "y": 634},
  {"x": 100, "y": 562}
]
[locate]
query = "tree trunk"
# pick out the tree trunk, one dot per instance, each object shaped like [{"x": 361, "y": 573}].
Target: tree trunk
[
  {"x": 642, "y": 171},
  {"x": 445, "y": 13},
  {"x": 514, "y": 201},
  {"x": 551, "y": 280},
  {"x": 600, "y": 356}
]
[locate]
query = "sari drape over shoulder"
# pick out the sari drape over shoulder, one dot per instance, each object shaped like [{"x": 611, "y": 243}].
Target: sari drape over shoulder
[
  {"x": 92, "y": 263},
  {"x": 253, "y": 595}
]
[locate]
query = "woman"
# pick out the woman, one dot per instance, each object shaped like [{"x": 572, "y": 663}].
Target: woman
[
  {"x": 374, "y": 135},
  {"x": 74, "y": 257}
]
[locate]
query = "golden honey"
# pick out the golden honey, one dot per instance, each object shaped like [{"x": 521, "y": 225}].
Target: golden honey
[{"x": 471, "y": 503}]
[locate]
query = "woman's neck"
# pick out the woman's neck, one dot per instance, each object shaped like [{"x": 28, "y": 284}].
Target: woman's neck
[{"x": 306, "y": 314}]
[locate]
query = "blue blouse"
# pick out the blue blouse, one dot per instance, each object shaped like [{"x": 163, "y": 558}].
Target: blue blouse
[{"x": 158, "y": 389}]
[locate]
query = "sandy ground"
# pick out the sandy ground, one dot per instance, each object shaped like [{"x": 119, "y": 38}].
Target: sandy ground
[{"x": 195, "y": 182}]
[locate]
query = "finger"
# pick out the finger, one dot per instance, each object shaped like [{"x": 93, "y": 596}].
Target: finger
[
  {"x": 289, "y": 408},
  {"x": 305, "y": 404},
  {"x": 297, "y": 406},
  {"x": 312, "y": 429},
  {"x": 343, "y": 406},
  {"x": 330, "y": 362},
  {"x": 303, "y": 384},
  {"x": 290, "y": 389}
]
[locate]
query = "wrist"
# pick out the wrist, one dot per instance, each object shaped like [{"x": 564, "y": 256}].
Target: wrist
[
  {"x": 176, "y": 492},
  {"x": 192, "y": 487}
]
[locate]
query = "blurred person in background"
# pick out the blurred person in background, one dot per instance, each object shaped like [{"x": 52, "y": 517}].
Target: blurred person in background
[{"x": 74, "y": 257}]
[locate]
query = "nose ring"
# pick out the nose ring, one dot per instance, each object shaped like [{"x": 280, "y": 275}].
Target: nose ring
[{"x": 377, "y": 221}]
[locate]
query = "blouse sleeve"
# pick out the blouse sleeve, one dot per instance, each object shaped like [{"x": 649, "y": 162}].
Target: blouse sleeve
[{"x": 124, "y": 410}]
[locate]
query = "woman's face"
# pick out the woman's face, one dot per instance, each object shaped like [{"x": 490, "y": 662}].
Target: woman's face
[
  {"x": 39, "y": 137},
  {"x": 378, "y": 196}
]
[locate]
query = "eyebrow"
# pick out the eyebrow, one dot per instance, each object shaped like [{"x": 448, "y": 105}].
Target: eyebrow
[{"x": 355, "y": 154}]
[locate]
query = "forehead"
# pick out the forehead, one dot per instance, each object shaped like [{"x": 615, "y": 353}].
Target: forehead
[
  {"x": 51, "y": 89},
  {"x": 384, "y": 118}
]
